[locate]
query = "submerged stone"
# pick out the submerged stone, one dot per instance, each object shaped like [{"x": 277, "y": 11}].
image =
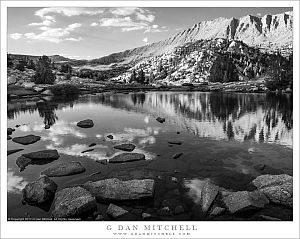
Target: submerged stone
[
  {"x": 125, "y": 147},
  {"x": 25, "y": 140},
  {"x": 175, "y": 142},
  {"x": 12, "y": 151},
  {"x": 43, "y": 154},
  {"x": 39, "y": 191},
  {"x": 277, "y": 188},
  {"x": 176, "y": 156},
  {"x": 88, "y": 150},
  {"x": 115, "y": 189},
  {"x": 10, "y": 130},
  {"x": 22, "y": 162},
  {"x": 73, "y": 202},
  {"x": 160, "y": 119},
  {"x": 88, "y": 123},
  {"x": 110, "y": 136},
  {"x": 64, "y": 169},
  {"x": 127, "y": 157}
]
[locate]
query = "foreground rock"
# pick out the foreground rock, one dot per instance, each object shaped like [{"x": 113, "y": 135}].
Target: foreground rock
[
  {"x": 127, "y": 157},
  {"x": 39, "y": 191},
  {"x": 88, "y": 123},
  {"x": 115, "y": 189},
  {"x": 25, "y": 140},
  {"x": 243, "y": 200},
  {"x": 12, "y": 151},
  {"x": 9, "y": 131},
  {"x": 206, "y": 193},
  {"x": 23, "y": 162},
  {"x": 115, "y": 211},
  {"x": 64, "y": 169},
  {"x": 277, "y": 188},
  {"x": 43, "y": 154},
  {"x": 125, "y": 147},
  {"x": 160, "y": 120},
  {"x": 73, "y": 202}
]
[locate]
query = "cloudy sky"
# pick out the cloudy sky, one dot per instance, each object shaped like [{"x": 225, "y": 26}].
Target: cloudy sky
[{"x": 87, "y": 33}]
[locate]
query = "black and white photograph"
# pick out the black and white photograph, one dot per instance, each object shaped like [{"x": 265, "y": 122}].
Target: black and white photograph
[{"x": 137, "y": 113}]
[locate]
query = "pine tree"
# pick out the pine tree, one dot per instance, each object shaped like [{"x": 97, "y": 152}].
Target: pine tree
[
  {"x": 133, "y": 76},
  {"x": 141, "y": 77},
  {"x": 31, "y": 65},
  {"x": 9, "y": 61},
  {"x": 44, "y": 73}
]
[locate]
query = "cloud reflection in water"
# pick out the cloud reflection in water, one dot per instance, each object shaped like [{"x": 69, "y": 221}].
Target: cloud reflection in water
[{"x": 15, "y": 183}]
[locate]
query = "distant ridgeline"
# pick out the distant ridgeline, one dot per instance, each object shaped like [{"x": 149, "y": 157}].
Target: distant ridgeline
[{"x": 221, "y": 50}]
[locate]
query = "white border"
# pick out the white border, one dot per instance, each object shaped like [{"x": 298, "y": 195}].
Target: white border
[{"x": 98, "y": 229}]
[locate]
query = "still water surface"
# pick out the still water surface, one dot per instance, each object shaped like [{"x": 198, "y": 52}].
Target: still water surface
[{"x": 226, "y": 137}]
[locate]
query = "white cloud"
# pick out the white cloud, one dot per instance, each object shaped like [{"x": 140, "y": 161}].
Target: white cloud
[
  {"x": 124, "y": 11},
  {"x": 127, "y": 19},
  {"x": 147, "y": 18},
  {"x": 68, "y": 11},
  {"x": 93, "y": 24},
  {"x": 16, "y": 36},
  {"x": 43, "y": 23},
  {"x": 54, "y": 35},
  {"x": 73, "y": 39},
  {"x": 71, "y": 27},
  {"x": 156, "y": 28},
  {"x": 145, "y": 40},
  {"x": 126, "y": 24}
]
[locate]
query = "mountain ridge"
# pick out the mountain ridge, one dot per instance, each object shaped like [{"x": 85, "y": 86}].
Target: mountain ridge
[{"x": 271, "y": 32}]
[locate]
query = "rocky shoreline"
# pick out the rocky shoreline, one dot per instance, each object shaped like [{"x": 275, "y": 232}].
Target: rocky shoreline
[{"x": 148, "y": 197}]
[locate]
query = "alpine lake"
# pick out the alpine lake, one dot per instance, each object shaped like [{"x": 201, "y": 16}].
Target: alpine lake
[{"x": 228, "y": 138}]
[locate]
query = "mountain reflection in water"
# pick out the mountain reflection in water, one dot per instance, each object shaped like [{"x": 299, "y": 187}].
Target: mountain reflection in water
[{"x": 221, "y": 116}]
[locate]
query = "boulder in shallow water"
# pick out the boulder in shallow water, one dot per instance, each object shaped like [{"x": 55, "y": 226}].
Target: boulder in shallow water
[
  {"x": 110, "y": 136},
  {"x": 8, "y": 137},
  {"x": 25, "y": 140},
  {"x": 51, "y": 154},
  {"x": 88, "y": 123},
  {"x": 115, "y": 189},
  {"x": 243, "y": 200},
  {"x": 23, "y": 162},
  {"x": 277, "y": 188},
  {"x": 115, "y": 211},
  {"x": 73, "y": 202},
  {"x": 125, "y": 147},
  {"x": 127, "y": 157},
  {"x": 12, "y": 151},
  {"x": 9, "y": 131},
  {"x": 64, "y": 169},
  {"x": 39, "y": 191},
  {"x": 204, "y": 193},
  {"x": 160, "y": 120}
]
